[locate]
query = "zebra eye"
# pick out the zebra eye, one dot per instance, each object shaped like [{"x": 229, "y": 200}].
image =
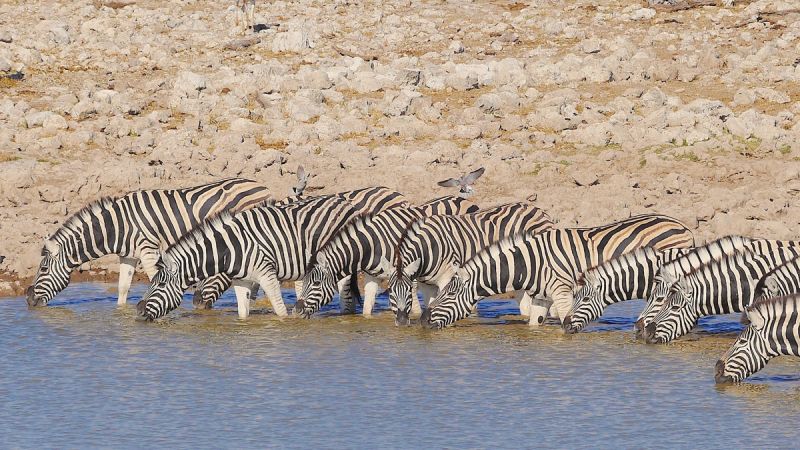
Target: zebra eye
[
  {"x": 676, "y": 307},
  {"x": 44, "y": 269}
]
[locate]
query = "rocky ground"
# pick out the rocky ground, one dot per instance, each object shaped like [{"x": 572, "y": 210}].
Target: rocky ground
[{"x": 602, "y": 108}]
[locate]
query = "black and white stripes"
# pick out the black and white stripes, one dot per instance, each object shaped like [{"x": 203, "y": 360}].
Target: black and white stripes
[
  {"x": 432, "y": 247},
  {"x": 265, "y": 245},
  {"x": 546, "y": 265},
  {"x": 136, "y": 226},
  {"x": 720, "y": 287},
  {"x": 773, "y": 329}
]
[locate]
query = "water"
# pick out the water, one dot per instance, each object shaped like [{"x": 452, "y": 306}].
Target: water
[{"x": 83, "y": 373}]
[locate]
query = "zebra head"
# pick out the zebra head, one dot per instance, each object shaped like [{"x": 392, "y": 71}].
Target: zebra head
[
  {"x": 655, "y": 301},
  {"x": 452, "y": 303},
  {"x": 587, "y": 304},
  {"x": 319, "y": 287},
  {"x": 401, "y": 289},
  {"x": 748, "y": 355},
  {"x": 51, "y": 277},
  {"x": 677, "y": 316},
  {"x": 164, "y": 294}
]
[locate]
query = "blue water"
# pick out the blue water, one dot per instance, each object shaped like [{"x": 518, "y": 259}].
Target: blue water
[{"x": 82, "y": 373}]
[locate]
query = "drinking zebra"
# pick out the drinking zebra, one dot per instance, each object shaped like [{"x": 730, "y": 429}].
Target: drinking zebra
[
  {"x": 773, "y": 329},
  {"x": 432, "y": 248},
  {"x": 720, "y": 287},
  {"x": 626, "y": 277},
  {"x": 135, "y": 226},
  {"x": 364, "y": 245},
  {"x": 782, "y": 281},
  {"x": 265, "y": 245},
  {"x": 673, "y": 271},
  {"x": 377, "y": 198},
  {"x": 546, "y": 265}
]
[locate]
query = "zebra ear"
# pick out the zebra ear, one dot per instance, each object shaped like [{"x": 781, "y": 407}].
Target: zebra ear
[
  {"x": 412, "y": 267},
  {"x": 771, "y": 284},
  {"x": 755, "y": 317},
  {"x": 321, "y": 260},
  {"x": 52, "y": 247},
  {"x": 385, "y": 265}
]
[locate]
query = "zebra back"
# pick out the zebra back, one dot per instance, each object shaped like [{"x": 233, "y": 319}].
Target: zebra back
[{"x": 448, "y": 205}]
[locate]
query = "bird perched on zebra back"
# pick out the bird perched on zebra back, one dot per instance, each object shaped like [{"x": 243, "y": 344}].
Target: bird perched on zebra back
[
  {"x": 265, "y": 245},
  {"x": 135, "y": 226},
  {"x": 546, "y": 265},
  {"x": 772, "y": 330},
  {"x": 431, "y": 248},
  {"x": 671, "y": 272},
  {"x": 781, "y": 281},
  {"x": 627, "y": 277},
  {"x": 361, "y": 246},
  {"x": 720, "y": 287}
]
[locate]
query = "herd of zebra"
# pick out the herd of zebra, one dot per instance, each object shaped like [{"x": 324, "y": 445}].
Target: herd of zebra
[{"x": 232, "y": 233}]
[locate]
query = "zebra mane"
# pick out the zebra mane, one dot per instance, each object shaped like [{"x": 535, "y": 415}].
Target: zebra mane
[
  {"x": 358, "y": 218},
  {"x": 623, "y": 258},
  {"x": 762, "y": 304},
  {"x": 398, "y": 256},
  {"x": 672, "y": 270},
  {"x": 84, "y": 214},
  {"x": 738, "y": 257},
  {"x": 197, "y": 234},
  {"x": 759, "y": 289}
]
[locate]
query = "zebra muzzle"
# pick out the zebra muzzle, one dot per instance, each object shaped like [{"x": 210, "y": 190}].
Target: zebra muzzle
[
  {"x": 719, "y": 373},
  {"x": 31, "y": 298},
  {"x": 568, "y": 327},
  {"x": 401, "y": 319}
]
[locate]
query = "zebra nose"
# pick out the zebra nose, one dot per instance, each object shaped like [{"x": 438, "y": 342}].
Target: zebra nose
[
  {"x": 719, "y": 373},
  {"x": 566, "y": 325},
  {"x": 30, "y": 297},
  {"x": 401, "y": 319},
  {"x": 299, "y": 306},
  {"x": 650, "y": 333},
  {"x": 639, "y": 327},
  {"x": 199, "y": 302},
  {"x": 425, "y": 318}
]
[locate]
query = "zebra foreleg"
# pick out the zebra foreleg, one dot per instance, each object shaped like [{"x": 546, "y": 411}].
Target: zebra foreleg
[
  {"x": 347, "y": 304},
  {"x": 272, "y": 287},
  {"x": 298, "y": 289},
  {"x": 371, "y": 285},
  {"x": 127, "y": 266},
  {"x": 524, "y": 304},
  {"x": 243, "y": 290},
  {"x": 538, "y": 310}
]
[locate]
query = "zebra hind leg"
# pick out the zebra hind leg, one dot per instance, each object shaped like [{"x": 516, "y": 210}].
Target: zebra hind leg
[
  {"x": 347, "y": 304},
  {"x": 371, "y": 287}
]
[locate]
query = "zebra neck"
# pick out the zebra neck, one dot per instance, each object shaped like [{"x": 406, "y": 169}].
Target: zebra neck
[{"x": 96, "y": 235}]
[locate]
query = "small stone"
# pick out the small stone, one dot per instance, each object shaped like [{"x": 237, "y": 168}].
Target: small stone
[
  {"x": 5, "y": 37},
  {"x": 590, "y": 46},
  {"x": 643, "y": 14},
  {"x": 456, "y": 47}
]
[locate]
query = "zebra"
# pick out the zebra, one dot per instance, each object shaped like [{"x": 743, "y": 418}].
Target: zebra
[
  {"x": 772, "y": 329},
  {"x": 546, "y": 265},
  {"x": 136, "y": 226},
  {"x": 376, "y": 198},
  {"x": 628, "y": 277},
  {"x": 671, "y": 272},
  {"x": 364, "y": 245},
  {"x": 264, "y": 245},
  {"x": 431, "y": 247},
  {"x": 720, "y": 287},
  {"x": 782, "y": 281}
]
